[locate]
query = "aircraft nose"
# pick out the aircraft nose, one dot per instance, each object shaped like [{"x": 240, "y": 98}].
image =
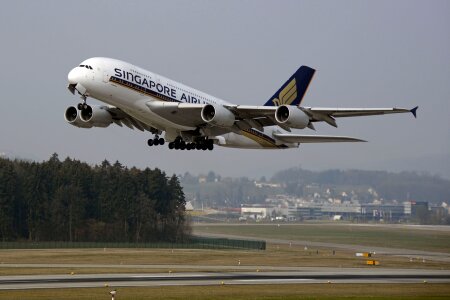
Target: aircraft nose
[{"x": 73, "y": 76}]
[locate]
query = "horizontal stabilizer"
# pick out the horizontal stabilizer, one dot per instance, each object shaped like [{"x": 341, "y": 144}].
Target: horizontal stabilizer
[{"x": 298, "y": 138}]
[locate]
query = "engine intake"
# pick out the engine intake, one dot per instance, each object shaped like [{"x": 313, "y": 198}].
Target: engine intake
[
  {"x": 291, "y": 116},
  {"x": 218, "y": 116},
  {"x": 98, "y": 116},
  {"x": 72, "y": 116}
]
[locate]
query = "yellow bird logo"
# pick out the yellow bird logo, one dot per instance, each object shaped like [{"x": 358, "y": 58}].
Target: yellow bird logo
[{"x": 287, "y": 95}]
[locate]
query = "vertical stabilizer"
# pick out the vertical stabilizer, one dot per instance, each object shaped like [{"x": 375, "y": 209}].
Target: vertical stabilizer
[{"x": 293, "y": 90}]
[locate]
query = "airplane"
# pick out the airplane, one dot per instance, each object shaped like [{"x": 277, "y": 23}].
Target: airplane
[{"x": 194, "y": 120}]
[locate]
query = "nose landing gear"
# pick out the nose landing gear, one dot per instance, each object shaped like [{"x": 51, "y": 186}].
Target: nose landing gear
[{"x": 83, "y": 105}]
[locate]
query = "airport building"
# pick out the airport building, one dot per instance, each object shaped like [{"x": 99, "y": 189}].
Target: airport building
[
  {"x": 263, "y": 212},
  {"x": 346, "y": 210}
]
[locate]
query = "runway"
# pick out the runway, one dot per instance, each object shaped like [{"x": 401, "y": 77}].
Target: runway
[{"x": 317, "y": 275}]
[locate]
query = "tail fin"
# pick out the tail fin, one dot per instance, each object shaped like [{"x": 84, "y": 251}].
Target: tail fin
[{"x": 293, "y": 90}]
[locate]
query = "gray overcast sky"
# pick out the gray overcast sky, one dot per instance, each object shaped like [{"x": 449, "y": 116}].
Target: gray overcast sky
[{"x": 367, "y": 54}]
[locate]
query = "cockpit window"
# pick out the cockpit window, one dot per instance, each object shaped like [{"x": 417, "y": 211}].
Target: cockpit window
[{"x": 86, "y": 66}]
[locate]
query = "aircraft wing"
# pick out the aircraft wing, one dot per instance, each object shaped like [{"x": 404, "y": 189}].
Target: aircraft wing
[
  {"x": 317, "y": 114},
  {"x": 122, "y": 118},
  {"x": 186, "y": 114},
  {"x": 264, "y": 115},
  {"x": 355, "y": 112},
  {"x": 299, "y": 138},
  {"x": 252, "y": 116}
]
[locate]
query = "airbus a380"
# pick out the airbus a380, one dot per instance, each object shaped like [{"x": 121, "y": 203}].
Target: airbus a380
[{"x": 192, "y": 119}]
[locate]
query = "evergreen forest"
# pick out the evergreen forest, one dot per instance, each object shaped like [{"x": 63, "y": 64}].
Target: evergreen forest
[{"x": 73, "y": 201}]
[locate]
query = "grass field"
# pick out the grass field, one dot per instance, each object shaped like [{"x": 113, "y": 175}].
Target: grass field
[
  {"x": 275, "y": 255},
  {"x": 115, "y": 260},
  {"x": 380, "y": 236},
  {"x": 237, "y": 292}
]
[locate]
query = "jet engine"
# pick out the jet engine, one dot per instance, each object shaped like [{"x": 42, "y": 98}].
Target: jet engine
[
  {"x": 98, "y": 116},
  {"x": 72, "y": 116},
  {"x": 291, "y": 116},
  {"x": 91, "y": 116},
  {"x": 218, "y": 116}
]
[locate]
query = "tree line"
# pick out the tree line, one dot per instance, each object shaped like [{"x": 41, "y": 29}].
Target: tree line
[{"x": 70, "y": 200}]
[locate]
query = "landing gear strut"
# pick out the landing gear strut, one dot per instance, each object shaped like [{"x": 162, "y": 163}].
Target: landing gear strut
[{"x": 83, "y": 105}]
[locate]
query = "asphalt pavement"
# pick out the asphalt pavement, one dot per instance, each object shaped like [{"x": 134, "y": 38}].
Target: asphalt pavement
[{"x": 307, "y": 275}]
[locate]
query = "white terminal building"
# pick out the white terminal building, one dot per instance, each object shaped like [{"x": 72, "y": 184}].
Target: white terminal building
[
  {"x": 263, "y": 212},
  {"x": 315, "y": 210}
]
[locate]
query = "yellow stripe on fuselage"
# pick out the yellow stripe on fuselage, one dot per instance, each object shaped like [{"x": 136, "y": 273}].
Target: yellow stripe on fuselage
[
  {"x": 260, "y": 140},
  {"x": 141, "y": 90}
]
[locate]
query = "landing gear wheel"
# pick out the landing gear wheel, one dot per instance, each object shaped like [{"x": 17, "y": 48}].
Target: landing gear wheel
[
  {"x": 156, "y": 142},
  {"x": 150, "y": 142},
  {"x": 161, "y": 141},
  {"x": 171, "y": 145},
  {"x": 80, "y": 106},
  {"x": 210, "y": 146}
]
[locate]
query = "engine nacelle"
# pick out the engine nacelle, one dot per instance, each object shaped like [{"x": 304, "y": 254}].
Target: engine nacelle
[
  {"x": 72, "y": 116},
  {"x": 218, "y": 116},
  {"x": 291, "y": 116},
  {"x": 98, "y": 116}
]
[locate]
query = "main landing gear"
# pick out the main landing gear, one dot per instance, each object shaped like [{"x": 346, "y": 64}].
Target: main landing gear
[
  {"x": 156, "y": 141},
  {"x": 201, "y": 144}
]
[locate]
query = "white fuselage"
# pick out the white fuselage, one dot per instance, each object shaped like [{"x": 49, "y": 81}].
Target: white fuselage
[{"x": 130, "y": 88}]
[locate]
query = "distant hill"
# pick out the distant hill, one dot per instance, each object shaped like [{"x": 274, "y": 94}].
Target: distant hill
[
  {"x": 399, "y": 186},
  {"x": 212, "y": 190}
]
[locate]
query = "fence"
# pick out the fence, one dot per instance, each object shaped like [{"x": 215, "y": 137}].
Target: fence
[{"x": 193, "y": 243}]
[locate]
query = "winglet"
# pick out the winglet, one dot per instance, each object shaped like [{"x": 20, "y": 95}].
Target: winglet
[{"x": 414, "y": 111}]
